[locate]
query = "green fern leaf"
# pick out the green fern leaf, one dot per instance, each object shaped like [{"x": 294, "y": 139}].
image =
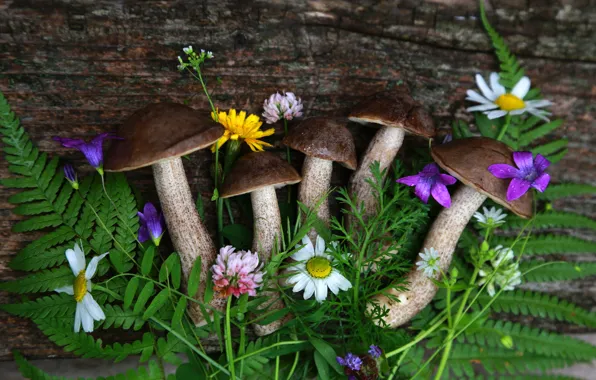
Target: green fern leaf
[
  {"x": 557, "y": 271},
  {"x": 566, "y": 190},
  {"x": 38, "y": 223},
  {"x": 26, "y": 196},
  {"x": 553, "y": 219},
  {"x": 30, "y": 257},
  {"x": 119, "y": 318},
  {"x": 539, "y": 305},
  {"x": 29, "y": 371},
  {"x": 528, "y": 137},
  {"x": 528, "y": 340},
  {"x": 549, "y": 244},
  {"x": 56, "y": 305},
  {"x": 43, "y": 281},
  {"x": 551, "y": 149}
]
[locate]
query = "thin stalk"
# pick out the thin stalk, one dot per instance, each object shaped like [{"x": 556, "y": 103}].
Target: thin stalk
[
  {"x": 241, "y": 348},
  {"x": 504, "y": 128},
  {"x": 288, "y": 157},
  {"x": 229, "y": 349}
]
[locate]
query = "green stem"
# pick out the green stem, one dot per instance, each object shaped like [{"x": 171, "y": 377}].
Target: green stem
[
  {"x": 445, "y": 356},
  {"x": 216, "y": 116},
  {"x": 241, "y": 348},
  {"x": 289, "y": 158},
  {"x": 229, "y": 352},
  {"x": 504, "y": 128}
]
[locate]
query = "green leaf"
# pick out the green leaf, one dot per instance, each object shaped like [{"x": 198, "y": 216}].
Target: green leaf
[
  {"x": 528, "y": 137},
  {"x": 171, "y": 267},
  {"x": 550, "y": 148},
  {"x": 322, "y": 366},
  {"x": 143, "y": 297},
  {"x": 239, "y": 235},
  {"x": 42, "y": 281},
  {"x": 549, "y": 244},
  {"x": 147, "y": 262},
  {"x": 200, "y": 206},
  {"x": 194, "y": 279},
  {"x": 565, "y": 190},
  {"x": 55, "y": 305},
  {"x": 156, "y": 304},
  {"x": 327, "y": 352},
  {"x": 129, "y": 293},
  {"x": 553, "y": 219},
  {"x": 556, "y": 271},
  {"x": 179, "y": 313}
]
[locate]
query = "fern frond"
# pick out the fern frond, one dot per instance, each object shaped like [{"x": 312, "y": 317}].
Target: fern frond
[
  {"x": 557, "y": 271},
  {"x": 539, "y": 305},
  {"x": 500, "y": 360},
  {"x": 56, "y": 305},
  {"x": 119, "y": 318},
  {"x": 553, "y": 219},
  {"x": 565, "y": 190},
  {"x": 528, "y": 339},
  {"x": 529, "y": 136},
  {"x": 549, "y": 244},
  {"x": 29, "y": 371}
]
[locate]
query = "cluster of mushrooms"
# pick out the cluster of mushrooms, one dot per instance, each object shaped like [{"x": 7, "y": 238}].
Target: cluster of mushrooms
[{"x": 160, "y": 134}]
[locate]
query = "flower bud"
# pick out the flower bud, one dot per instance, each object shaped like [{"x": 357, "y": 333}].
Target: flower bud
[
  {"x": 507, "y": 341},
  {"x": 71, "y": 176}
]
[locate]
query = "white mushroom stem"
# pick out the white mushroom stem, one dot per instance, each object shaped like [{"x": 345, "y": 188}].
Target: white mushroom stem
[
  {"x": 312, "y": 191},
  {"x": 266, "y": 239},
  {"x": 442, "y": 236},
  {"x": 189, "y": 236},
  {"x": 382, "y": 148}
]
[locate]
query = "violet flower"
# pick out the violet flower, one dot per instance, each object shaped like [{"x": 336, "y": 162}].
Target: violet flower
[
  {"x": 530, "y": 172},
  {"x": 236, "y": 273},
  {"x": 350, "y": 361},
  {"x": 152, "y": 224},
  {"x": 431, "y": 181},
  {"x": 92, "y": 150},
  {"x": 71, "y": 176},
  {"x": 282, "y": 106},
  {"x": 375, "y": 351}
]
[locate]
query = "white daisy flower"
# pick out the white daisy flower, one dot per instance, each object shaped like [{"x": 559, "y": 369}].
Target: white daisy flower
[
  {"x": 315, "y": 272},
  {"x": 496, "y": 102},
  {"x": 490, "y": 218},
  {"x": 429, "y": 263},
  {"x": 88, "y": 310}
]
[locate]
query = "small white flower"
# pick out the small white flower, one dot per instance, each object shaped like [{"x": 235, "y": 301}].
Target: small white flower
[
  {"x": 209, "y": 55},
  {"x": 88, "y": 310},
  {"x": 187, "y": 50},
  {"x": 429, "y": 263},
  {"x": 490, "y": 218},
  {"x": 496, "y": 102},
  {"x": 314, "y": 271},
  {"x": 506, "y": 273}
]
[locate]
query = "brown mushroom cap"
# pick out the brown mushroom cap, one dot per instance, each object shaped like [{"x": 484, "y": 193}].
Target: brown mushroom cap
[
  {"x": 395, "y": 108},
  {"x": 324, "y": 138},
  {"x": 468, "y": 161},
  {"x": 160, "y": 131},
  {"x": 256, "y": 170}
]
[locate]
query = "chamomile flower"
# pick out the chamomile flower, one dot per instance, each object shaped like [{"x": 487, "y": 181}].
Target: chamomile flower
[
  {"x": 88, "y": 310},
  {"x": 496, "y": 102},
  {"x": 314, "y": 272},
  {"x": 429, "y": 263},
  {"x": 490, "y": 218}
]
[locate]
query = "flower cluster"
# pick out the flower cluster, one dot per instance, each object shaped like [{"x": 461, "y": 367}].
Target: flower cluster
[
  {"x": 239, "y": 127},
  {"x": 236, "y": 273},
  {"x": 282, "y": 106},
  {"x": 363, "y": 366},
  {"x": 314, "y": 272},
  {"x": 490, "y": 218},
  {"x": 503, "y": 270},
  {"x": 152, "y": 224},
  {"x": 195, "y": 60}
]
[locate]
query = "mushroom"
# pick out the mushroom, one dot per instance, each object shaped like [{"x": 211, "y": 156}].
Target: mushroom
[
  {"x": 260, "y": 173},
  {"x": 323, "y": 140},
  {"x": 467, "y": 160},
  {"x": 158, "y": 135},
  {"x": 398, "y": 113}
]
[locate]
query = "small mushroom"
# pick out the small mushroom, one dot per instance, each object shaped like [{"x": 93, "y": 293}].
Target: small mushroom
[
  {"x": 397, "y": 112},
  {"x": 467, "y": 160},
  {"x": 158, "y": 135},
  {"x": 323, "y": 140},
  {"x": 260, "y": 173}
]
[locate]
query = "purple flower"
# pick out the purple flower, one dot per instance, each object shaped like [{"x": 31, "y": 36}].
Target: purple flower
[
  {"x": 152, "y": 224},
  {"x": 430, "y": 181},
  {"x": 375, "y": 351},
  {"x": 71, "y": 176},
  {"x": 351, "y": 361},
  {"x": 282, "y": 106},
  {"x": 92, "y": 150},
  {"x": 529, "y": 173}
]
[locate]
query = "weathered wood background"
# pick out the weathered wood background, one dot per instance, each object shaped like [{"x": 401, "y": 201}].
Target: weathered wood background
[{"x": 77, "y": 67}]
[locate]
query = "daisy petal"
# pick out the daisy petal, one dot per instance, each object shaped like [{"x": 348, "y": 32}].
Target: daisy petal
[
  {"x": 486, "y": 91},
  {"x": 541, "y": 182},
  {"x": 309, "y": 290},
  {"x": 77, "y": 322},
  {"x": 441, "y": 194},
  {"x": 93, "y": 308},
  {"x": 498, "y": 89},
  {"x": 538, "y": 103},
  {"x": 521, "y": 88},
  {"x": 301, "y": 284},
  {"x": 495, "y": 114},
  {"x": 320, "y": 290},
  {"x": 482, "y": 107},
  {"x": 77, "y": 264},
  {"x": 68, "y": 289},
  {"x": 320, "y": 248},
  {"x": 92, "y": 267},
  {"x": 476, "y": 97},
  {"x": 517, "y": 188},
  {"x": 540, "y": 114},
  {"x": 306, "y": 252},
  {"x": 86, "y": 319},
  {"x": 503, "y": 171},
  {"x": 524, "y": 161}
]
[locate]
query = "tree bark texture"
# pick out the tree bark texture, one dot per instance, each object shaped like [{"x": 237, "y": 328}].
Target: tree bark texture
[{"x": 75, "y": 68}]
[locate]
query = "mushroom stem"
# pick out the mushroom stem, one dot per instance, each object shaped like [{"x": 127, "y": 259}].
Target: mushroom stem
[
  {"x": 190, "y": 238},
  {"x": 267, "y": 236},
  {"x": 316, "y": 179},
  {"x": 382, "y": 148},
  {"x": 442, "y": 236}
]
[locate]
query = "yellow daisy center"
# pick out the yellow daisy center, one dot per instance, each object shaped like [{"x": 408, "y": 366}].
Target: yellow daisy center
[
  {"x": 509, "y": 102},
  {"x": 318, "y": 267},
  {"x": 80, "y": 286}
]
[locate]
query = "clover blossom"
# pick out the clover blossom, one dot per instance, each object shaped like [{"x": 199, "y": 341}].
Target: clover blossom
[
  {"x": 71, "y": 176},
  {"x": 236, "y": 273},
  {"x": 429, "y": 263},
  {"x": 530, "y": 172},
  {"x": 282, "y": 106},
  {"x": 431, "y": 181},
  {"x": 93, "y": 150},
  {"x": 152, "y": 224}
]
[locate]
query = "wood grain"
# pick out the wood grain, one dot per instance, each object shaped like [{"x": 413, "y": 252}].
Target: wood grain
[{"x": 79, "y": 67}]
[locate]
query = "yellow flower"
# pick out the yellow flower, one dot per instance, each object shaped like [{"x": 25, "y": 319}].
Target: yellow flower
[{"x": 240, "y": 127}]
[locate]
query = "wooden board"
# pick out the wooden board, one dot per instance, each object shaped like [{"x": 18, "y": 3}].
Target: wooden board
[{"x": 74, "y": 68}]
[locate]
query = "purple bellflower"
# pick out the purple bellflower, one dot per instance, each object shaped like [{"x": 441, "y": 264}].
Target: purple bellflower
[
  {"x": 431, "y": 181},
  {"x": 93, "y": 150},
  {"x": 71, "y": 176},
  {"x": 350, "y": 361},
  {"x": 152, "y": 224},
  {"x": 375, "y": 351},
  {"x": 530, "y": 172}
]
